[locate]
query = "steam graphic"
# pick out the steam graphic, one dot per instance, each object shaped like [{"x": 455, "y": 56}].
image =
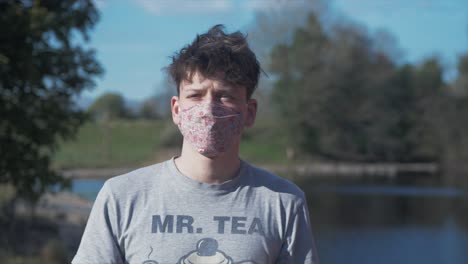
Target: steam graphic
[
  {"x": 150, "y": 252},
  {"x": 149, "y": 261}
]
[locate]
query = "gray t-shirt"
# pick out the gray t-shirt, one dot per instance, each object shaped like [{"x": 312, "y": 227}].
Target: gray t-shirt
[{"x": 158, "y": 215}]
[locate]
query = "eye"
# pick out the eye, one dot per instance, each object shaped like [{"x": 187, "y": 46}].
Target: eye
[
  {"x": 226, "y": 97},
  {"x": 194, "y": 95}
]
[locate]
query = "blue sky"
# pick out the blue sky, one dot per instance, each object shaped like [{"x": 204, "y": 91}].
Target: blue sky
[{"x": 135, "y": 38}]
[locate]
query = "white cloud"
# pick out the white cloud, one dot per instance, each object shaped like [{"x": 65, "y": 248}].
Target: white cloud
[
  {"x": 159, "y": 7},
  {"x": 100, "y": 4},
  {"x": 397, "y": 6},
  {"x": 266, "y": 5}
]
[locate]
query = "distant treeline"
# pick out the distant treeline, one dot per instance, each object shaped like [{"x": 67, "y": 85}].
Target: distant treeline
[{"x": 112, "y": 106}]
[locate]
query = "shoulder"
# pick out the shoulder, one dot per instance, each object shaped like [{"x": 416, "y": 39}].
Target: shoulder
[
  {"x": 135, "y": 181},
  {"x": 273, "y": 184}
]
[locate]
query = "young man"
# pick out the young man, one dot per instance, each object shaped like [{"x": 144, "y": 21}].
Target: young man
[{"x": 206, "y": 205}]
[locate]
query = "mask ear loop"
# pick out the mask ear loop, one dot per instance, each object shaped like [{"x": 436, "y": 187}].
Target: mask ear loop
[{"x": 227, "y": 116}]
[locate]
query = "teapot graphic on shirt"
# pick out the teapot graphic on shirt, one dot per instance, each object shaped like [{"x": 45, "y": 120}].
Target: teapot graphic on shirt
[{"x": 206, "y": 252}]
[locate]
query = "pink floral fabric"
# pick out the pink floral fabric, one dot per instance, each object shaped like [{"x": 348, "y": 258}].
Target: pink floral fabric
[{"x": 210, "y": 127}]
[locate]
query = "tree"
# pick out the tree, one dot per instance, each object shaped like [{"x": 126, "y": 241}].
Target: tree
[
  {"x": 43, "y": 66},
  {"x": 149, "y": 108},
  {"x": 290, "y": 93},
  {"x": 453, "y": 128},
  {"x": 461, "y": 83},
  {"x": 166, "y": 89},
  {"x": 429, "y": 111},
  {"x": 109, "y": 106},
  {"x": 274, "y": 24},
  {"x": 344, "y": 98},
  {"x": 325, "y": 81}
]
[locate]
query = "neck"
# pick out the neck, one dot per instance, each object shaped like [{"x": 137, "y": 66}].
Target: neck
[{"x": 208, "y": 170}]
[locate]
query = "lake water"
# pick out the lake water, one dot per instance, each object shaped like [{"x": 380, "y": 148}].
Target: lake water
[{"x": 377, "y": 224}]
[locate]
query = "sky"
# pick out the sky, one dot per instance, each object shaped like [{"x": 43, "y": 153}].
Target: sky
[{"x": 134, "y": 39}]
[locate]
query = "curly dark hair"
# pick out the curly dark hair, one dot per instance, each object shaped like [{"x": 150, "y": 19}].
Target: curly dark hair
[{"x": 217, "y": 55}]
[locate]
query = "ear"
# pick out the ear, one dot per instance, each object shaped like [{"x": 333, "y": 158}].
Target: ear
[
  {"x": 175, "y": 109},
  {"x": 251, "y": 112}
]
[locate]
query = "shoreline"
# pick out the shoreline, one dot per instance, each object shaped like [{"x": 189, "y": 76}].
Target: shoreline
[{"x": 313, "y": 169}]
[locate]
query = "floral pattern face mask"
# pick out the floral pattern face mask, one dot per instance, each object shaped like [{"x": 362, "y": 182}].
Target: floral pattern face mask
[{"x": 210, "y": 127}]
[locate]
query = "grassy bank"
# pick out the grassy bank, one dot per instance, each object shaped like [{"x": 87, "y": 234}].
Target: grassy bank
[
  {"x": 136, "y": 142},
  {"x": 120, "y": 143}
]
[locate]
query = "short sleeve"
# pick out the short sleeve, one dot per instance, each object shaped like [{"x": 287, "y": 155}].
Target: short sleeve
[
  {"x": 299, "y": 245},
  {"x": 99, "y": 243}
]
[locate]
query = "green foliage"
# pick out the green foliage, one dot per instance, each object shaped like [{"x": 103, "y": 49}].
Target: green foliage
[
  {"x": 170, "y": 136},
  {"x": 453, "y": 124},
  {"x": 54, "y": 252},
  {"x": 149, "y": 109},
  {"x": 41, "y": 70},
  {"x": 7, "y": 259},
  {"x": 265, "y": 142},
  {"x": 109, "y": 106},
  {"x": 343, "y": 98},
  {"x": 7, "y": 196},
  {"x": 461, "y": 84}
]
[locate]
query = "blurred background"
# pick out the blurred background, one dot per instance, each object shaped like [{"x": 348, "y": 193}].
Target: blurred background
[{"x": 364, "y": 104}]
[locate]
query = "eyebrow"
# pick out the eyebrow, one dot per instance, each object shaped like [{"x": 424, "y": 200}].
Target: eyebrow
[
  {"x": 193, "y": 89},
  {"x": 223, "y": 88}
]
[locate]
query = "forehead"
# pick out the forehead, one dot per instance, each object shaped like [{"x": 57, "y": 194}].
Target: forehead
[{"x": 199, "y": 82}]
